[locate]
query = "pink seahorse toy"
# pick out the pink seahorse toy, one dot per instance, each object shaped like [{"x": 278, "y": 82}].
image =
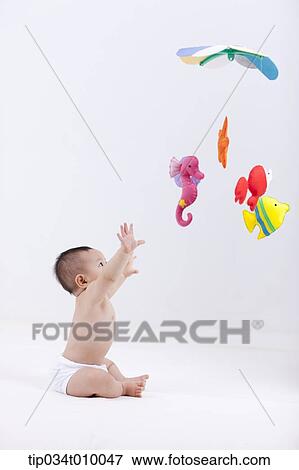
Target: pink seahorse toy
[{"x": 187, "y": 175}]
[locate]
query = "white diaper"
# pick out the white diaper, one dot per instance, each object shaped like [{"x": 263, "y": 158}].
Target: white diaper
[{"x": 65, "y": 369}]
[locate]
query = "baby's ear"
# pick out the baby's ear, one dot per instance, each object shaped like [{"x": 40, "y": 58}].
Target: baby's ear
[{"x": 81, "y": 281}]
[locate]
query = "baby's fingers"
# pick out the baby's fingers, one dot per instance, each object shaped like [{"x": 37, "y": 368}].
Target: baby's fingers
[
  {"x": 122, "y": 231},
  {"x": 119, "y": 237},
  {"x": 140, "y": 242}
]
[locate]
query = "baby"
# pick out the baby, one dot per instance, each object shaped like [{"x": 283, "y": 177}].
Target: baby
[{"x": 83, "y": 369}]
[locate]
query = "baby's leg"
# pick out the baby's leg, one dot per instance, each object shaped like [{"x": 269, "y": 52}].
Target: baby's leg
[
  {"x": 116, "y": 373},
  {"x": 89, "y": 381}
]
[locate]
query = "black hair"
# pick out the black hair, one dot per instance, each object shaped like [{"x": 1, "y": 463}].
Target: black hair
[{"x": 67, "y": 265}]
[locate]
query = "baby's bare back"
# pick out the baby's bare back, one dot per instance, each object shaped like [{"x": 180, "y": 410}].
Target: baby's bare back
[{"x": 90, "y": 338}]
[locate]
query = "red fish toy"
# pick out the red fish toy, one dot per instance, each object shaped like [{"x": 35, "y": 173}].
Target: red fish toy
[{"x": 257, "y": 183}]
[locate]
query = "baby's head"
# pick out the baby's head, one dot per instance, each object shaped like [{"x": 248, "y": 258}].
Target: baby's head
[{"x": 77, "y": 267}]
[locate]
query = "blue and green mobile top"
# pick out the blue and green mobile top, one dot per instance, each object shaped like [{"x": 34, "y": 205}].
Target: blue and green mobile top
[{"x": 222, "y": 54}]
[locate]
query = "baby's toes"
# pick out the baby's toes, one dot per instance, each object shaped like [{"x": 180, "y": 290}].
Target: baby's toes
[{"x": 139, "y": 389}]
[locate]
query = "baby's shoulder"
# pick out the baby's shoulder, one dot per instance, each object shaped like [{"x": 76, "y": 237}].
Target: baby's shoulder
[{"x": 88, "y": 301}]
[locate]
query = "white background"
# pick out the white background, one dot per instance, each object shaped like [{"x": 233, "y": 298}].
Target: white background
[
  {"x": 117, "y": 59},
  {"x": 118, "y": 62}
]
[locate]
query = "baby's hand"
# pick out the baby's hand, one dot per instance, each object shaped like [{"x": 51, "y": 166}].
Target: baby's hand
[
  {"x": 130, "y": 269},
  {"x": 127, "y": 239}
]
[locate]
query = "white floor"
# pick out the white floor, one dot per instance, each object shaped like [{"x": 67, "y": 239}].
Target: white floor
[{"x": 196, "y": 399}]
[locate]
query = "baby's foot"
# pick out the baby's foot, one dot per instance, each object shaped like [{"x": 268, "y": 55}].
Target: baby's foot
[
  {"x": 136, "y": 379},
  {"x": 133, "y": 389}
]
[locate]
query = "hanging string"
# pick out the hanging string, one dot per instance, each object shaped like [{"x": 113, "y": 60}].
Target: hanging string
[{"x": 230, "y": 95}]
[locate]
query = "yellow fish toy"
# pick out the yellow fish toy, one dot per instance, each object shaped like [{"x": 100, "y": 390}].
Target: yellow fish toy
[{"x": 268, "y": 215}]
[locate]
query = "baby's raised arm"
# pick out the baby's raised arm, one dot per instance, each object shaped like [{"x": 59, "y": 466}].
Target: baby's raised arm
[
  {"x": 128, "y": 271},
  {"x": 113, "y": 271}
]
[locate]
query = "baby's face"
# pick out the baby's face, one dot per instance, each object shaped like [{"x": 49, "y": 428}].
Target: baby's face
[{"x": 94, "y": 261}]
